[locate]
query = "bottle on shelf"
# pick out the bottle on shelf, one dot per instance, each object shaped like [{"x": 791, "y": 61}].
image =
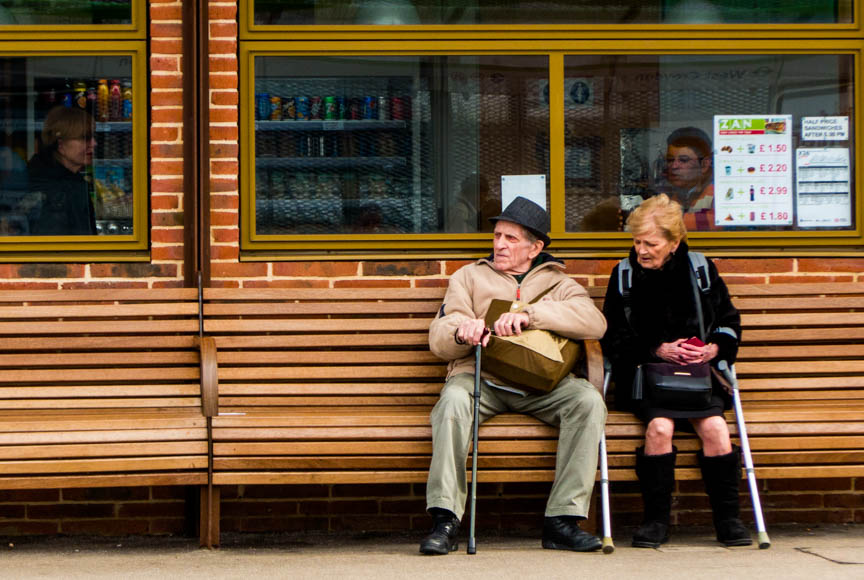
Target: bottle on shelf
[
  {"x": 68, "y": 95},
  {"x": 126, "y": 112},
  {"x": 115, "y": 101},
  {"x": 80, "y": 98},
  {"x": 102, "y": 114},
  {"x": 91, "y": 100}
]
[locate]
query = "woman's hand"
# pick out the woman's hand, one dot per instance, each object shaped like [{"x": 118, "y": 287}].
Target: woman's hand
[
  {"x": 679, "y": 352},
  {"x": 699, "y": 354}
]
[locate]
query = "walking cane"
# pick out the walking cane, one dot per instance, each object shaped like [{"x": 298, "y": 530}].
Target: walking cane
[
  {"x": 729, "y": 373},
  {"x": 608, "y": 546},
  {"x": 472, "y": 544}
]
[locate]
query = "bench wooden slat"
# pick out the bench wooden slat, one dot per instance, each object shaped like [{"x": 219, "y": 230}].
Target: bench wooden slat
[
  {"x": 105, "y": 359},
  {"x": 330, "y": 373},
  {"x": 388, "y": 357},
  {"x": 125, "y": 464},
  {"x": 119, "y": 391},
  {"x": 101, "y": 311},
  {"x": 104, "y": 480},
  {"x": 315, "y": 325},
  {"x": 100, "y": 326},
  {"x": 104, "y": 450},
  {"x": 298, "y": 309},
  {"x": 99, "y": 375},
  {"x": 102, "y": 436}
]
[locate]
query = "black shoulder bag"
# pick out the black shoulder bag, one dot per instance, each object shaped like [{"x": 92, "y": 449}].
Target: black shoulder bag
[{"x": 673, "y": 386}]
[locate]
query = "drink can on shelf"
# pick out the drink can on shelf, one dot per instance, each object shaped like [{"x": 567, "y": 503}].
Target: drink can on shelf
[
  {"x": 275, "y": 108},
  {"x": 355, "y": 109},
  {"x": 341, "y": 109},
  {"x": 330, "y": 111},
  {"x": 262, "y": 106},
  {"x": 303, "y": 109},
  {"x": 289, "y": 109},
  {"x": 316, "y": 109},
  {"x": 370, "y": 108},
  {"x": 400, "y": 108},
  {"x": 383, "y": 108}
]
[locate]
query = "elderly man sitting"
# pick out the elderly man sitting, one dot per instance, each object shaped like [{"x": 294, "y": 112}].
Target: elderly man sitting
[{"x": 518, "y": 269}]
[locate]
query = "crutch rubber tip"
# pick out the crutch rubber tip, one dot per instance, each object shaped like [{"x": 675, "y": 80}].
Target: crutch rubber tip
[
  {"x": 764, "y": 542},
  {"x": 608, "y": 546},
  {"x": 472, "y": 549}
]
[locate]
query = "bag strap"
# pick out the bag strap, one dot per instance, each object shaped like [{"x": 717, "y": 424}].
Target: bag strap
[
  {"x": 698, "y": 299},
  {"x": 625, "y": 282},
  {"x": 545, "y": 292},
  {"x": 699, "y": 278},
  {"x": 699, "y": 264}
]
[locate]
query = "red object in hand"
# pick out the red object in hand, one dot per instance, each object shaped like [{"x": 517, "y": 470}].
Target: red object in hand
[{"x": 695, "y": 341}]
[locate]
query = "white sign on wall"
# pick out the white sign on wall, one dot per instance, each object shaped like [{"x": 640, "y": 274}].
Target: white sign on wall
[
  {"x": 532, "y": 187},
  {"x": 753, "y": 170},
  {"x": 825, "y": 128},
  {"x": 823, "y": 187}
]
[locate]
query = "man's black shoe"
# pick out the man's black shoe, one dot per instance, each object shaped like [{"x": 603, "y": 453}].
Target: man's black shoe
[
  {"x": 442, "y": 539},
  {"x": 563, "y": 533}
]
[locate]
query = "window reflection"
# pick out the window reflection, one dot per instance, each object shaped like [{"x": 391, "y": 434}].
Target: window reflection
[
  {"x": 394, "y": 145},
  {"x": 451, "y": 12},
  {"x": 60, "y": 12},
  {"x": 640, "y": 125},
  {"x": 66, "y": 152}
]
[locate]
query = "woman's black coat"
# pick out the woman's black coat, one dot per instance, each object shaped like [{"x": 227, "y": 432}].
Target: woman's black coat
[{"x": 663, "y": 310}]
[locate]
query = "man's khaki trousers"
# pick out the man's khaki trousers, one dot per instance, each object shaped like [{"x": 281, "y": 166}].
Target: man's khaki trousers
[{"x": 574, "y": 406}]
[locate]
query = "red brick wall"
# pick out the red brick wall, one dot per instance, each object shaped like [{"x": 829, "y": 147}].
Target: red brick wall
[
  {"x": 396, "y": 507},
  {"x": 119, "y": 511}
]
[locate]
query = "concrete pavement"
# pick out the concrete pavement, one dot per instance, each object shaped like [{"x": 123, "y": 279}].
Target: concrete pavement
[{"x": 823, "y": 553}]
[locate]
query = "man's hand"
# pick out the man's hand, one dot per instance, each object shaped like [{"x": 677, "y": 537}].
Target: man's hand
[
  {"x": 511, "y": 323},
  {"x": 472, "y": 332}
]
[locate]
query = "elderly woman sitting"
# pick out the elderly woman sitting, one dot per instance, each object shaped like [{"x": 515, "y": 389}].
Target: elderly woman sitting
[{"x": 660, "y": 326}]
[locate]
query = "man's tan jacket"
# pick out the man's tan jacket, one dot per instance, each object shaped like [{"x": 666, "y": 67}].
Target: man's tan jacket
[{"x": 566, "y": 310}]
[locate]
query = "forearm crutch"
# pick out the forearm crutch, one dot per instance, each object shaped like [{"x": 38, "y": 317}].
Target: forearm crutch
[
  {"x": 472, "y": 544},
  {"x": 608, "y": 546},
  {"x": 729, "y": 373}
]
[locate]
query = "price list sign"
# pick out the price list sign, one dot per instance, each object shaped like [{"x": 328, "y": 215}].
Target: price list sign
[{"x": 753, "y": 170}]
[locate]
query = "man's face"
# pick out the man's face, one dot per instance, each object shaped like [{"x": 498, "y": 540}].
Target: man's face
[
  {"x": 512, "y": 250},
  {"x": 684, "y": 168}
]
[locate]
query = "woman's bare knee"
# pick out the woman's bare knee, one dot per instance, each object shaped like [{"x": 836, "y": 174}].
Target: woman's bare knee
[
  {"x": 714, "y": 434},
  {"x": 658, "y": 436}
]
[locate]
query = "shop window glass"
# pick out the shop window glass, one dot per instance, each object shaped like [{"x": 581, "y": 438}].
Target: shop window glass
[
  {"x": 451, "y": 12},
  {"x": 66, "y": 151},
  {"x": 65, "y": 12},
  {"x": 394, "y": 145},
  {"x": 744, "y": 142}
]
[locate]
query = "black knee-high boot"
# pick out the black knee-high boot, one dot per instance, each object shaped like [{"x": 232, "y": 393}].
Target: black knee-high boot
[
  {"x": 656, "y": 475},
  {"x": 722, "y": 476}
]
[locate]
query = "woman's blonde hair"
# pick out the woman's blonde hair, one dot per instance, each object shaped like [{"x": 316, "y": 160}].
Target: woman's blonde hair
[
  {"x": 661, "y": 213},
  {"x": 66, "y": 123}
]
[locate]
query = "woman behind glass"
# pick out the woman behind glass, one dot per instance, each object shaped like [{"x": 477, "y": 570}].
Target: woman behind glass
[
  {"x": 663, "y": 317},
  {"x": 60, "y": 198}
]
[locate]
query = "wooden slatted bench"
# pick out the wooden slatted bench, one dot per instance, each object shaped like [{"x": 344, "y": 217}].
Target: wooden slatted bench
[
  {"x": 801, "y": 373},
  {"x": 335, "y": 386},
  {"x": 101, "y": 388}
]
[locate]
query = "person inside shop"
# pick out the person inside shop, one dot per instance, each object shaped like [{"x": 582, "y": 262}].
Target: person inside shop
[
  {"x": 519, "y": 269},
  {"x": 689, "y": 170},
  {"x": 474, "y": 205},
  {"x": 656, "y": 321},
  {"x": 59, "y": 195}
]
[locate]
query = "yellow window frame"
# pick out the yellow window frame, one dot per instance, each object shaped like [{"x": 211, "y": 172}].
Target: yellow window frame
[
  {"x": 136, "y": 29},
  {"x": 251, "y": 31},
  {"x": 257, "y": 247},
  {"x": 94, "y": 248}
]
